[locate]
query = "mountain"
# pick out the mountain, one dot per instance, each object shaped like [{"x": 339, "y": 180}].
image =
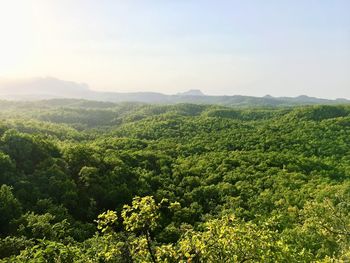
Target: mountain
[
  {"x": 43, "y": 88},
  {"x": 52, "y": 88},
  {"x": 192, "y": 92}
]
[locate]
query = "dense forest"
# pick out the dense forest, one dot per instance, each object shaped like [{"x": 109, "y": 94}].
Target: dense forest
[{"x": 86, "y": 181}]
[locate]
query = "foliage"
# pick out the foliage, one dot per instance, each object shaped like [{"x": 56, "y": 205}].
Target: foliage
[{"x": 102, "y": 182}]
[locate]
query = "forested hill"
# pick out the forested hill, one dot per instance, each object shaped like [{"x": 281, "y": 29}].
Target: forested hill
[{"x": 88, "y": 181}]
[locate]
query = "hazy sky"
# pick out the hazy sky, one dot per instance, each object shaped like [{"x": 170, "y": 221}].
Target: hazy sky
[{"x": 248, "y": 47}]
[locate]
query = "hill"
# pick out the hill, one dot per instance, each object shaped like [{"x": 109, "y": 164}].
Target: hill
[
  {"x": 134, "y": 182},
  {"x": 49, "y": 88}
]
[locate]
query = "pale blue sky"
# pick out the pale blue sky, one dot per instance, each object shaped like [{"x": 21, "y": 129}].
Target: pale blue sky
[{"x": 248, "y": 47}]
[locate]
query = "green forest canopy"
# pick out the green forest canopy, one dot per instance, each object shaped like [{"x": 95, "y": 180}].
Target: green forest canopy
[{"x": 85, "y": 181}]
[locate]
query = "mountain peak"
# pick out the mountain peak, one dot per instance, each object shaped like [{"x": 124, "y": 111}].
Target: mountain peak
[{"x": 192, "y": 92}]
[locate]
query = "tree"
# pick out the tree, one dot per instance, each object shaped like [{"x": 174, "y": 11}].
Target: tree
[
  {"x": 36, "y": 226},
  {"x": 10, "y": 209},
  {"x": 228, "y": 240},
  {"x": 141, "y": 218}
]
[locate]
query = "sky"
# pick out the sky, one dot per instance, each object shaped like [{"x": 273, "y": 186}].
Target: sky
[{"x": 246, "y": 47}]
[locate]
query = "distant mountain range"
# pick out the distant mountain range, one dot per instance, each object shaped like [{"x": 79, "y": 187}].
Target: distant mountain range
[{"x": 52, "y": 88}]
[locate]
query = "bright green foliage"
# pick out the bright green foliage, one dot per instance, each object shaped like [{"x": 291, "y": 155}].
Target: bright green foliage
[
  {"x": 42, "y": 227},
  {"x": 106, "y": 221},
  {"x": 227, "y": 240},
  {"x": 173, "y": 183},
  {"x": 142, "y": 215},
  {"x": 329, "y": 220},
  {"x": 141, "y": 218},
  {"x": 50, "y": 251}
]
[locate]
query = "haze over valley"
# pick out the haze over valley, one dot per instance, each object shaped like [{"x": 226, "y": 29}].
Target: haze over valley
[{"x": 52, "y": 88}]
